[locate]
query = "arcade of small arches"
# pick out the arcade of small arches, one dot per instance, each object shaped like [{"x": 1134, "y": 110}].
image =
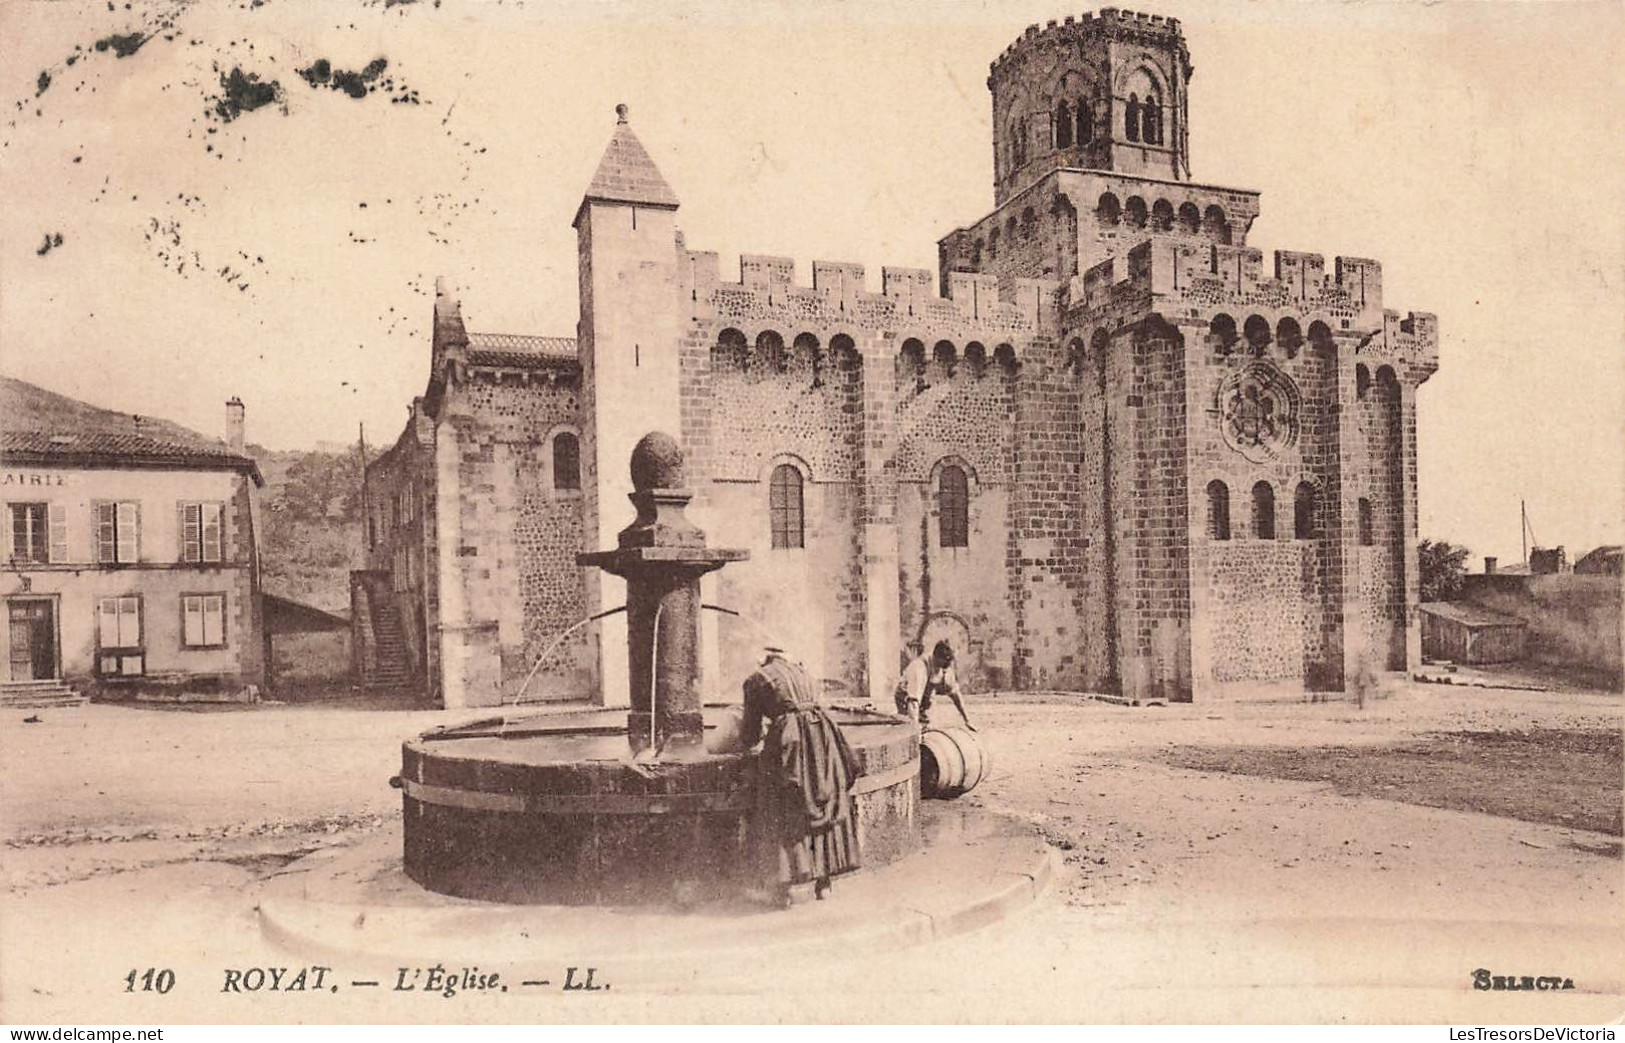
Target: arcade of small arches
[
  {"x": 1257, "y": 334},
  {"x": 1305, "y": 512},
  {"x": 1387, "y": 382},
  {"x": 946, "y": 361},
  {"x": 769, "y": 355},
  {"x": 1162, "y": 216},
  {"x": 1023, "y": 229}
]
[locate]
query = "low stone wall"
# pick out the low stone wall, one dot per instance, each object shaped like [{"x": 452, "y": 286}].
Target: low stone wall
[{"x": 1574, "y": 621}]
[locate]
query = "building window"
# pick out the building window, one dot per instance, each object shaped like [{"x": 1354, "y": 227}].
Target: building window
[
  {"x": 1063, "y": 126},
  {"x": 1151, "y": 120},
  {"x": 203, "y": 620},
  {"x": 1303, "y": 512},
  {"x": 118, "y": 637},
  {"x": 201, "y": 525},
  {"x": 1086, "y": 121},
  {"x": 31, "y": 535},
  {"x": 784, "y": 507},
  {"x": 118, "y": 532},
  {"x": 1218, "y": 510},
  {"x": 566, "y": 461},
  {"x": 1263, "y": 511},
  {"x": 1366, "y": 535},
  {"x": 953, "y": 507},
  {"x": 1131, "y": 119}
]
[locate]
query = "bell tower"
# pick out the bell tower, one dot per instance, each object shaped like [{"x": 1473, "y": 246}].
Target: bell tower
[{"x": 1104, "y": 92}]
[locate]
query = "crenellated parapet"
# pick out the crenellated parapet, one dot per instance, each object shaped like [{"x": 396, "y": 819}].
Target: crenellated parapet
[
  {"x": 839, "y": 300},
  {"x": 1226, "y": 288},
  {"x": 1110, "y": 22}
]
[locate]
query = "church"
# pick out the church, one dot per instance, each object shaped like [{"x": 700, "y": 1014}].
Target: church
[{"x": 1101, "y": 450}]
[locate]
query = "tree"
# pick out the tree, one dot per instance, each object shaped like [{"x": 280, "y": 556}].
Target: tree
[{"x": 1441, "y": 565}]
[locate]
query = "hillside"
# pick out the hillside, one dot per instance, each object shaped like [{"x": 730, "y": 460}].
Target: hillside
[{"x": 28, "y": 407}]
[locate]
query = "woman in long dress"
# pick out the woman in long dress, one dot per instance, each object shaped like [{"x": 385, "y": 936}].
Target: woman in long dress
[{"x": 805, "y": 828}]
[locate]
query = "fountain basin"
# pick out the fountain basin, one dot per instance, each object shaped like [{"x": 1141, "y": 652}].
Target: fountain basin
[{"x": 552, "y": 809}]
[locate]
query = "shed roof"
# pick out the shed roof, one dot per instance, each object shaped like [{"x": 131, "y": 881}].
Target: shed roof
[{"x": 1470, "y": 615}]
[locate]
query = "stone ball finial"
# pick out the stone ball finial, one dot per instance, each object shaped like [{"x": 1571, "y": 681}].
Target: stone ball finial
[
  {"x": 620, "y": 113},
  {"x": 657, "y": 463}
]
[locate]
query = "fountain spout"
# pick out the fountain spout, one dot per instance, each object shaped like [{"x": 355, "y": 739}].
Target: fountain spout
[{"x": 662, "y": 556}]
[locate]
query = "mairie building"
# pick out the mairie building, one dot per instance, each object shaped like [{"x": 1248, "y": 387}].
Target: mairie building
[
  {"x": 1103, "y": 448},
  {"x": 131, "y": 566}
]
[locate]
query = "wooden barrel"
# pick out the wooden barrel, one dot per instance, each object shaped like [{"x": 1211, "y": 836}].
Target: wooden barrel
[{"x": 952, "y": 762}]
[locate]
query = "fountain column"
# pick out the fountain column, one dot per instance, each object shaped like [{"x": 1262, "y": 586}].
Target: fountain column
[{"x": 662, "y": 556}]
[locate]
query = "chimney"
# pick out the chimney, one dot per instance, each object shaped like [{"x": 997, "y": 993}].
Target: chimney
[
  {"x": 1489, "y": 566},
  {"x": 234, "y": 424}
]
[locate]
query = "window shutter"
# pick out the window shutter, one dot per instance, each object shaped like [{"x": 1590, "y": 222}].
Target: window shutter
[
  {"x": 15, "y": 520},
  {"x": 106, "y": 543},
  {"x": 192, "y": 620},
  {"x": 129, "y": 532},
  {"x": 107, "y": 622},
  {"x": 59, "y": 532},
  {"x": 129, "y": 622},
  {"x": 189, "y": 531},
  {"x": 211, "y": 531},
  {"x": 214, "y": 620}
]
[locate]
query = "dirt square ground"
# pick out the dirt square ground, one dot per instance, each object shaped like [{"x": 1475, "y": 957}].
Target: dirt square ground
[{"x": 1267, "y": 860}]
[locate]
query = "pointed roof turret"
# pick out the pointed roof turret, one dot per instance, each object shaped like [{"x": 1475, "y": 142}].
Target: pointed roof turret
[{"x": 626, "y": 174}]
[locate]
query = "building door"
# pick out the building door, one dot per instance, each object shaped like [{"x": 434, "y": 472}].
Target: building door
[{"x": 33, "y": 640}]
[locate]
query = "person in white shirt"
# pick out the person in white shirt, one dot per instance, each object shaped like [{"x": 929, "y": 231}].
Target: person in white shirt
[{"x": 926, "y": 676}]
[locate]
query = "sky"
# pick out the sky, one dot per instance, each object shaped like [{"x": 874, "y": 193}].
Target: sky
[{"x": 172, "y": 236}]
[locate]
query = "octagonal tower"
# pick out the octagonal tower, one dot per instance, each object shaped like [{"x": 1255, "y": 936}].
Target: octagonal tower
[{"x": 1104, "y": 92}]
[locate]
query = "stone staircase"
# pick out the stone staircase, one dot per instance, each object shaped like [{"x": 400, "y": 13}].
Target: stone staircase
[
  {"x": 391, "y": 669},
  {"x": 28, "y": 695}
]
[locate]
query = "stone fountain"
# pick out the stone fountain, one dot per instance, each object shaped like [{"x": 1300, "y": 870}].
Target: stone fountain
[{"x": 591, "y": 808}]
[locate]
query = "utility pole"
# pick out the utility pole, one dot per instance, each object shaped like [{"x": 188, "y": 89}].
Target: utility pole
[{"x": 366, "y": 501}]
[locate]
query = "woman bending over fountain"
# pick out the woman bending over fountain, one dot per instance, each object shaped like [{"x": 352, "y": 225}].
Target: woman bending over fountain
[{"x": 804, "y": 823}]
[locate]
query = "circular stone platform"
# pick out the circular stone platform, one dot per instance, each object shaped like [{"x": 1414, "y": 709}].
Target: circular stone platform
[
  {"x": 553, "y": 809},
  {"x": 356, "y": 905}
]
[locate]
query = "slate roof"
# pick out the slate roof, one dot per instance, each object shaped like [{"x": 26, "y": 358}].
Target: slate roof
[
  {"x": 626, "y": 174},
  {"x": 92, "y": 448}
]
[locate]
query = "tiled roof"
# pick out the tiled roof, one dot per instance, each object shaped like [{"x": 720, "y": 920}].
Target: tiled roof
[
  {"x": 626, "y": 174},
  {"x": 514, "y": 351},
  {"x": 102, "y": 447},
  {"x": 561, "y": 346}
]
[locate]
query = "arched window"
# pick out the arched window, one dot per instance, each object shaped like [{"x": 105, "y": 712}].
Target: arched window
[
  {"x": 1063, "y": 126},
  {"x": 1215, "y": 225},
  {"x": 1257, "y": 331},
  {"x": 1304, "y": 526},
  {"x": 1131, "y": 119},
  {"x": 1107, "y": 210},
  {"x": 566, "y": 461},
  {"x": 784, "y": 507},
  {"x": 1162, "y": 216},
  {"x": 1134, "y": 213},
  {"x": 1362, "y": 380},
  {"x": 1218, "y": 510},
  {"x": 1151, "y": 120},
  {"x": 953, "y": 507},
  {"x": 1086, "y": 121},
  {"x": 1263, "y": 511},
  {"x": 1190, "y": 218},
  {"x": 1221, "y": 334},
  {"x": 1366, "y": 537}
]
